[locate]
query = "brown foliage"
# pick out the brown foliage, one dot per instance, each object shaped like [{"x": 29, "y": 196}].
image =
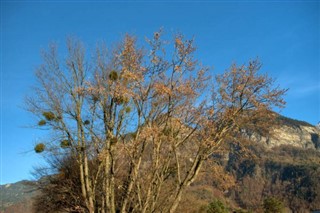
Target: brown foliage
[
  {"x": 60, "y": 192},
  {"x": 174, "y": 123}
]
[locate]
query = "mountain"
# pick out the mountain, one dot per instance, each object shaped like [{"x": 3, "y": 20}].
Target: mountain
[
  {"x": 291, "y": 132},
  {"x": 284, "y": 164},
  {"x": 17, "y": 197}
]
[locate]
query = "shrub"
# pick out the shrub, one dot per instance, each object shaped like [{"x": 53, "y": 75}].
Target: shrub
[
  {"x": 217, "y": 206},
  {"x": 60, "y": 191},
  {"x": 272, "y": 205},
  {"x": 241, "y": 211}
]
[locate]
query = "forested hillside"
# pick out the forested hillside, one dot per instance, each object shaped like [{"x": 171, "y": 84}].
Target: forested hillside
[{"x": 236, "y": 178}]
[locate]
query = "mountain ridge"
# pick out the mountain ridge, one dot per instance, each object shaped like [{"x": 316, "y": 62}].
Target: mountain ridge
[
  {"x": 291, "y": 135},
  {"x": 290, "y": 132}
]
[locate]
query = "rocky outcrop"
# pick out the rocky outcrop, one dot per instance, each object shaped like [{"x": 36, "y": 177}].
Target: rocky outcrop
[{"x": 291, "y": 132}]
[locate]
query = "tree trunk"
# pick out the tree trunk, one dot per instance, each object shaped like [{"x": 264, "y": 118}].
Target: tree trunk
[
  {"x": 176, "y": 201},
  {"x": 83, "y": 186},
  {"x": 109, "y": 189},
  {"x": 186, "y": 182},
  {"x": 132, "y": 179},
  {"x": 88, "y": 185}
]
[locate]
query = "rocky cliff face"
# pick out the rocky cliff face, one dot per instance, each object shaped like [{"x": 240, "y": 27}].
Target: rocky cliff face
[{"x": 291, "y": 132}]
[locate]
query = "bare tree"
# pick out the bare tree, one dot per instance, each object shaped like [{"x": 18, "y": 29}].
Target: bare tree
[{"x": 147, "y": 119}]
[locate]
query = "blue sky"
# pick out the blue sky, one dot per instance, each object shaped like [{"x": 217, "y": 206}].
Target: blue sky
[{"x": 284, "y": 35}]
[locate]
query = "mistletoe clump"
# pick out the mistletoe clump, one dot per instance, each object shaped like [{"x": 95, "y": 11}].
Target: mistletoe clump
[
  {"x": 42, "y": 123},
  {"x": 40, "y": 147},
  {"x": 113, "y": 75},
  {"x": 65, "y": 144},
  {"x": 49, "y": 116}
]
